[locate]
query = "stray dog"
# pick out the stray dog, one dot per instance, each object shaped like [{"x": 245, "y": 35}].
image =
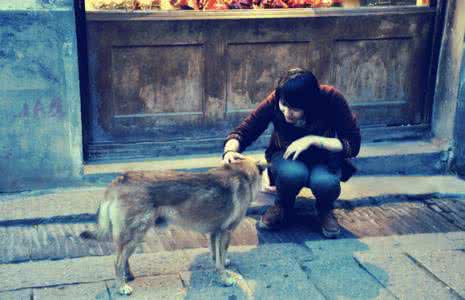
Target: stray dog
[{"x": 212, "y": 202}]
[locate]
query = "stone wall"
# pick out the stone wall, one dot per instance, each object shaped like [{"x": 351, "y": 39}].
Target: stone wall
[
  {"x": 40, "y": 124},
  {"x": 458, "y": 164},
  {"x": 450, "y": 58}
]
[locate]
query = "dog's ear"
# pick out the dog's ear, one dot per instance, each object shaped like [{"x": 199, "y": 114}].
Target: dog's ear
[{"x": 262, "y": 165}]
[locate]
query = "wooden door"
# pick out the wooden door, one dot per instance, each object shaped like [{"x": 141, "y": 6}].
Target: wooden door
[{"x": 164, "y": 87}]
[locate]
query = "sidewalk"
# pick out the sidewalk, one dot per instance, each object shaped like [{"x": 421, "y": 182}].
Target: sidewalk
[
  {"x": 80, "y": 204},
  {"x": 426, "y": 266},
  {"x": 403, "y": 238}
]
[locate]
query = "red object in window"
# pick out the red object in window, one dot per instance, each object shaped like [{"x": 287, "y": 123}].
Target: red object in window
[
  {"x": 239, "y": 4},
  {"x": 300, "y": 3},
  {"x": 185, "y": 4},
  {"x": 274, "y": 4},
  {"x": 212, "y": 5}
]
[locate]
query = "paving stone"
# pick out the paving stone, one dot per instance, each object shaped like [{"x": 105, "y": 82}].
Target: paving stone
[
  {"x": 242, "y": 255},
  {"x": 21, "y": 242},
  {"x": 49, "y": 273},
  {"x": 160, "y": 263},
  {"x": 295, "y": 290},
  {"x": 86, "y": 291},
  {"x": 455, "y": 219},
  {"x": 77, "y": 247},
  {"x": 70, "y": 271},
  {"x": 152, "y": 240},
  {"x": 456, "y": 236},
  {"x": 268, "y": 252},
  {"x": 15, "y": 244},
  {"x": 347, "y": 247},
  {"x": 54, "y": 241},
  {"x": 279, "y": 270},
  {"x": 45, "y": 244},
  {"x": 152, "y": 287},
  {"x": 4, "y": 246},
  {"x": 388, "y": 244},
  {"x": 274, "y": 268},
  {"x": 439, "y": 221},
  {"x": 204, "y": 284},
  {"x": 246, "y": 233},
  {"x": 279, "y": 278},
  {"x": 421, "y": 221},
  {"x": 341, "y": 277},
  {"x": 403, "y": 277},
  {"x": 448, "y": 266},
  {"x": 425, "y": 241},
  {"x": 24, "y": 294},
  {"x": 51, "y": 203}
]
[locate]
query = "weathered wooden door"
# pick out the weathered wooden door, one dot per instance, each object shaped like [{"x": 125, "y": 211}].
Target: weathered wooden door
[{"x": 161, "y": 87}]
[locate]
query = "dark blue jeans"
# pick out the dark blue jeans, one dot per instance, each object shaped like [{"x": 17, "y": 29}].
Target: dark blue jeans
[{"x": 318, "y": 170}]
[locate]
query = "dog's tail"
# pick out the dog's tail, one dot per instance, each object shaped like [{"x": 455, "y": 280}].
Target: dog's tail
[
  {"x": 104, "y": 228},
  {"x": 103, "y": 224}
]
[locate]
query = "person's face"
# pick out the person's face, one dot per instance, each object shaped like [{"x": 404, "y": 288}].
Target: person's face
[{"x": 291, "y": 114}]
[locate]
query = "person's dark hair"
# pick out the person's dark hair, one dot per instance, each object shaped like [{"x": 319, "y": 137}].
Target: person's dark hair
[{"x": 298, "y": 88}]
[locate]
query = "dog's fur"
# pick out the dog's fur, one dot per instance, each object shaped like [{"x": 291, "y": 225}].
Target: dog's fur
[{"x": 212, "y": 202}]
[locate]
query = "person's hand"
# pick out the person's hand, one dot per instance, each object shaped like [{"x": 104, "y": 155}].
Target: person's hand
[
  {"x": 298, "y": 146},
  {"x": 232, "y": 156}
]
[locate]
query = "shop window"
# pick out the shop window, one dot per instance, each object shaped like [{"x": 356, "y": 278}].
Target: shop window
[{"x": 142, "y": 5}]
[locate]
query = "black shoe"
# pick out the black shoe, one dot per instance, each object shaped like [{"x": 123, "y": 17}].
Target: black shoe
[{"x": 329, "y": 225}]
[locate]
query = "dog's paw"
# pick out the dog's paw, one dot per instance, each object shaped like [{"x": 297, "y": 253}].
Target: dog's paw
[
  {"x": 230, "y": 278},
  {"x": 125, "y": 289},
  {"x": 227, "y": 280}
]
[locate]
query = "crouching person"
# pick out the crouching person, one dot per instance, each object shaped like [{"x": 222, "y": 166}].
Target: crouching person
[{"x": 315, "y": 135}]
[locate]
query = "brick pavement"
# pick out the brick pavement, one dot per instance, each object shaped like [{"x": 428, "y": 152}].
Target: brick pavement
[{"x": 59, "y": 241}]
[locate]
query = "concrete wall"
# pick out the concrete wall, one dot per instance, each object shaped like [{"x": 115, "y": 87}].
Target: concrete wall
[
  {"x": 458, "y": 163},
  {"x": 448, "y": 75},
  {"x": 40, "y": 123}
]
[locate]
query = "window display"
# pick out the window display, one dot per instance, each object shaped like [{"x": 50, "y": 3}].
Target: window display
[{"x": 138, "y": 5}]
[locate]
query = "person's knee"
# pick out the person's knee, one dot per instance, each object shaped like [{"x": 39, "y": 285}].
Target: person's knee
[
  {"x": 325, "y": 185},
  {"x": 289, "y": 172}
]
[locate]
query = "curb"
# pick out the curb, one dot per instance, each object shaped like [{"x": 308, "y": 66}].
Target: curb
[{"x": 254, "y": 209}]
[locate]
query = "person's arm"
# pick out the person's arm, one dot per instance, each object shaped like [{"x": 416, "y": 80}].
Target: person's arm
[
  {"x": 302, "y": 144},
  {"x": 346, "y": 126},
  {"x": 330, "y": 144},
  {"x": 250, "y": 129},
  {"x": 348, "y": 133}
]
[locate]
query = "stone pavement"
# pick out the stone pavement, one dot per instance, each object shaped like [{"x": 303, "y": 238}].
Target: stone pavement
[
  {"x": 61, "y": 240},
  {"x": 403, "y": 238},
  {"x": 419, "y": 266},
  {"x": 80, "y": 204}
]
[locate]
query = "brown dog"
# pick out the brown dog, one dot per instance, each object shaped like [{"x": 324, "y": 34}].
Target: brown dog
[{"x": 212, "y": 202}]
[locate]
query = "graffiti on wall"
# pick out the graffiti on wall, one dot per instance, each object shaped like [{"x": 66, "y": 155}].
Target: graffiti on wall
[{"x": 42, "y": 108}]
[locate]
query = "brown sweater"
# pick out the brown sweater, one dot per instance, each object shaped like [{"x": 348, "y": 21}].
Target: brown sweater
[{"x": 333, "y": 119}]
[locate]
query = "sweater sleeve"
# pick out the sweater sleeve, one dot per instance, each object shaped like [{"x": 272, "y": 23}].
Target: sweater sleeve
[
  {"x": 346, "y": 126},
  {"x": 254, "y": 124}
]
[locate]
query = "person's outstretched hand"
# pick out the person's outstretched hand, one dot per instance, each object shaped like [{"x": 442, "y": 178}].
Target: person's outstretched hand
[
  {"x": 298, "y": 146},
  {"x": 232, "y": 156}
]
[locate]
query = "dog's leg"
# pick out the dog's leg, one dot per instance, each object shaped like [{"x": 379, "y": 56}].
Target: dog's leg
[
  {"x": 225, "y": 239},
  {"x": 127, "y": 272},
  {"x": 226, "y": 279},
  {"x": 122, "y": 268},
  {"x": 124, "y": 251},
  {"x": 211, "y": 246}
]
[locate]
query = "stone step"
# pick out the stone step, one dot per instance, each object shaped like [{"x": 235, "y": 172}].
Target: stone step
[
  {"x": 80, "y": 204},
  {"x": 384, "y": 158}
]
